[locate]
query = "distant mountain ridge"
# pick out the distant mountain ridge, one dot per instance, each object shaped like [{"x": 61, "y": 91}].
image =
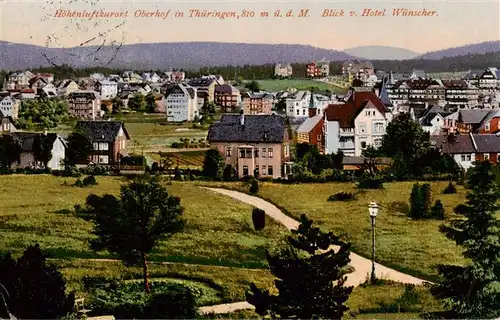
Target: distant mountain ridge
[
  {"x": 478, "y": 48},
  {"x": 382, "y": 53},
  {"x": 162, "y": 55}
]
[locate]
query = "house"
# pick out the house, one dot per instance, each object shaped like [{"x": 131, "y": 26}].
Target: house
[
  {"x": 487, "y": 147},
  {"x": 205, "y": 86},
  {"x": 181, "y": 103},
  {"x": 29, "y": 143},
  {"x": 460, "y": 147},
  {"x": 471, "y": 120},
  {"x": 131, "y": 77},
  {"x": 150, "y": 77},
  {"x": 175, "y": 76},
  {"x": 19, "y": 80},
  {"x": 489, "y": 79},
  {"x": 65, "y": 87},
  {"x": 24, "y": 94},
  {"x": 318, "y": 69},
  {"x": 359, "y": 122},
  {"x": 417, "y": 74},
  {"x": 490, "y": 123},
  {"x": 227, "y": 97},
  {"x": 107, "y": 89},
  {"x": 257, "y": 103},
  {"x": 435, "y": 119},
  {"x": 460, "y": 94},
  {"x": 37, "y": 82},
  {"x": 254, "y": 145},
  {"x": 298, "y": 104},
  {"x": 9, "y": 107},
  {"x": 311, "y": 132},
  {"x": 6, "y": 124},
  {"x": 356, "y": 69},
  {"x": 283, "y": 70},
  {"x": 47, "y": 91},
  {"x": 108, "y": 139},
  {"x": 84, "y": 104}
]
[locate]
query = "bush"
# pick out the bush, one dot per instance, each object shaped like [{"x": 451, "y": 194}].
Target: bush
[
  {"x": 258, "y": 218},
  {"x": 420, "y": 201},
  {"x": 341, "y": 196},
  {"x": 177, "y": 174},
  {"x": 89, "y": 181},
  {"x": 370, "y": 183},
  {"x": 450, "y": 189},
  {"x": 254, "y": 186},
  {"x": 437, "y": 210},
  {"x": 460, "y": 209},
  {"x": 78, "y": 183}
]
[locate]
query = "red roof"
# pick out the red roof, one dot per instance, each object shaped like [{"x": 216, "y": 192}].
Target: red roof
[
  {"x": 346, "y": 113},
  {"x": 27, "y": 91}
]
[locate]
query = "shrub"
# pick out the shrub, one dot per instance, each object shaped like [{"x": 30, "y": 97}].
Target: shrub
[
  {"x": 450, "y": 189},
  {"x": 460, "y": 209},
  {"x": 89, "y": 181},
  {"x": 78, "y": 183},
  {"x": 258, "y": 218},
  {"x": 437, "y": 210},
  {"x": 177, "y": 174},
  {"x": 370, "y": 183},
  {"x": 254, "y": 186},
  {"x": 420, "y": 201},
  {"x": 341, "y": 196}
]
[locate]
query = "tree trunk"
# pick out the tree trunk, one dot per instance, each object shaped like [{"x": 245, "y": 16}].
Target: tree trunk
[{"x": 145, "y": 273}]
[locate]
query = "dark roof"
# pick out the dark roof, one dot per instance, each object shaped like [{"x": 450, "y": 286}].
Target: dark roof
[
  {"x": 431, "y": 112},
  {"x": 256, "y": 128},
  {"x": 487, "y": 143},
  {"x": 101, "y": 130},
  {"x": 346, "y": 113},
  {"x": 474, "y": 116},
  {"x": 201, "y": 82},
  {"x": 224, "y": 88},
  {"x": 82, "y": 94},
  {"x": 454, "y": 144},
  {"x": 27, "y": 140}
]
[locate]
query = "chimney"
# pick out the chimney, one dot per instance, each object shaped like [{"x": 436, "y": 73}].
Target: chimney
[
  {"x": 242, "y": 118},
  {"x": 312, "y": 112}
]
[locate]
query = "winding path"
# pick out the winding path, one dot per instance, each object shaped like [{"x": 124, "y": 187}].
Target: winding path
[{"x": 361, "y": 265}]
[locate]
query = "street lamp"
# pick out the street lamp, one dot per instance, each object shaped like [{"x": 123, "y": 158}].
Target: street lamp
[{"x": 373, "y": 210}]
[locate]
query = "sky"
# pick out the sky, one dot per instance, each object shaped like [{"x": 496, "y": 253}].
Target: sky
[{"x": 456, "y": 23}]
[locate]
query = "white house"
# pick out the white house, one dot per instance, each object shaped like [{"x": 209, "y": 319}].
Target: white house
[
  {"x": 107, "y": 89},
  {"x": 352, "y": 126},
  {"x": 28, "y": 141},
  {"x": 298, "y": 104},
  {"x": 461, "y": 147},
  {"x": 9, "y": 107},
  {"x": 283, "y": 70},
  {"x": 181, "y": 103}
]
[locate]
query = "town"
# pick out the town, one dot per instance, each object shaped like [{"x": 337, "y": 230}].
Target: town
[{"x": 227, "y": 197}]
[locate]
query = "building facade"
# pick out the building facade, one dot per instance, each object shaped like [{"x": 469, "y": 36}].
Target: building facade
[
  {"x": 257, "y": 103},
  {"x": 181, "y": 103},
  {"x": 85, "y": 105}
]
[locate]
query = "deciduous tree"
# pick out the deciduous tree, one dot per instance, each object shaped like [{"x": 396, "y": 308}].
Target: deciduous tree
[
  {"x": 133, "y": 224},
  {"x": 213, "y": 165}
]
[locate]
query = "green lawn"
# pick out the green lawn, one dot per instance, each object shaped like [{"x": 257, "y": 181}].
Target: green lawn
[
  {"x": 299, "y": 84},
  {"x": 219, "y": 231},
  {"x": 151, "y": 134},
  {"x": 415, "y": 247}
]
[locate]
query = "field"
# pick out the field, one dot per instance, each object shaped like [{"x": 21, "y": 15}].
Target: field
[
  {"x": 299, "y": 84},
  {"x": 183, "y": 159},
  {"x": 414, "y": 247},
  {"x": 214, "y": 234}
]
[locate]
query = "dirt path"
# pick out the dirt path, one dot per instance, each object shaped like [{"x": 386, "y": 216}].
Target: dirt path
[{"x": 361, "y": 265}]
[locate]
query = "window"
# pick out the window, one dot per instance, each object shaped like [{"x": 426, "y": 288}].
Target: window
[
  {"x": 256, "y": 171},
  {"x": 245, "y": 170},
  {"x": 242, "y": 153},
  {"x": 270, "y": 170},
  {"x": 256, "y": 152},
  {"x": 264, "y": 153},
  {"x": 298, "y": 112},
  {"x": 362, "y": 127},
  {"x": 248, "y": 153},
  {"x": 318, "y": 137},
  {"x": 487, "y": 126},
  {"x": 463, "y": 157},
  {"x": 378, "y": 127},
  {"x": 363, "y": 144},
  {"x": 377, "y": 142},
  {"x": 269, "y": 152},
  {"x": 228, "y": 151},
  {"x": 103, "y": 159},
  {"x": 287, "y": 150},
  {"x": 263, "y": 170},
  {"x": 486, "y": 156},
  {"x": 468, "y": 157},
  {"x": 96, "y": 145},
  {"x": 104, "y": 146}
]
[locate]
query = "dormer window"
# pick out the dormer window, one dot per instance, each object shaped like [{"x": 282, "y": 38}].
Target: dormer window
[{"x": 487, "y": 126}]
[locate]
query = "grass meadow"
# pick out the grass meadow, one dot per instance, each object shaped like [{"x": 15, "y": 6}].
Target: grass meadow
[
  {"x": 218, "y": 231},
  {"x": 412, "y": 246},
  {"x": 299, "y": 84}
]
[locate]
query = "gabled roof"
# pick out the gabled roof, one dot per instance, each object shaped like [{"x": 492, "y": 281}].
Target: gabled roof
[
  {"x": 105, "y": 131},
  {"x": 474, "y": 116},
  {"x": 201, "y": 82},
  {"x": 256, "y": 128},
  {"x": 28, "y": 140},
  {"x": 310, "y": 123},
  {"x": 346, "y": 113},
  {"x": 492, "y": 114},
  {"x": 487, "y": 143},
  {"x": 178, "y": 88},
  {"x": 259, "y": 95},
  {"x": 454, "y": 144},
  {"x": 225, "y": 88}
]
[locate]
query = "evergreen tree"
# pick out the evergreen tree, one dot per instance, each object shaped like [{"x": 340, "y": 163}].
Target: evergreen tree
[
  {"x": 310, "y": 279},
  {"x": 473, "y": 290},
  {"x": 213, "y": 165},
  {"x": 34, "y": 289}
]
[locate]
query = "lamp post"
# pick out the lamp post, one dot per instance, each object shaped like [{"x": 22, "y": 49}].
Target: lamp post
[{"x": 373, "y": 210}]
